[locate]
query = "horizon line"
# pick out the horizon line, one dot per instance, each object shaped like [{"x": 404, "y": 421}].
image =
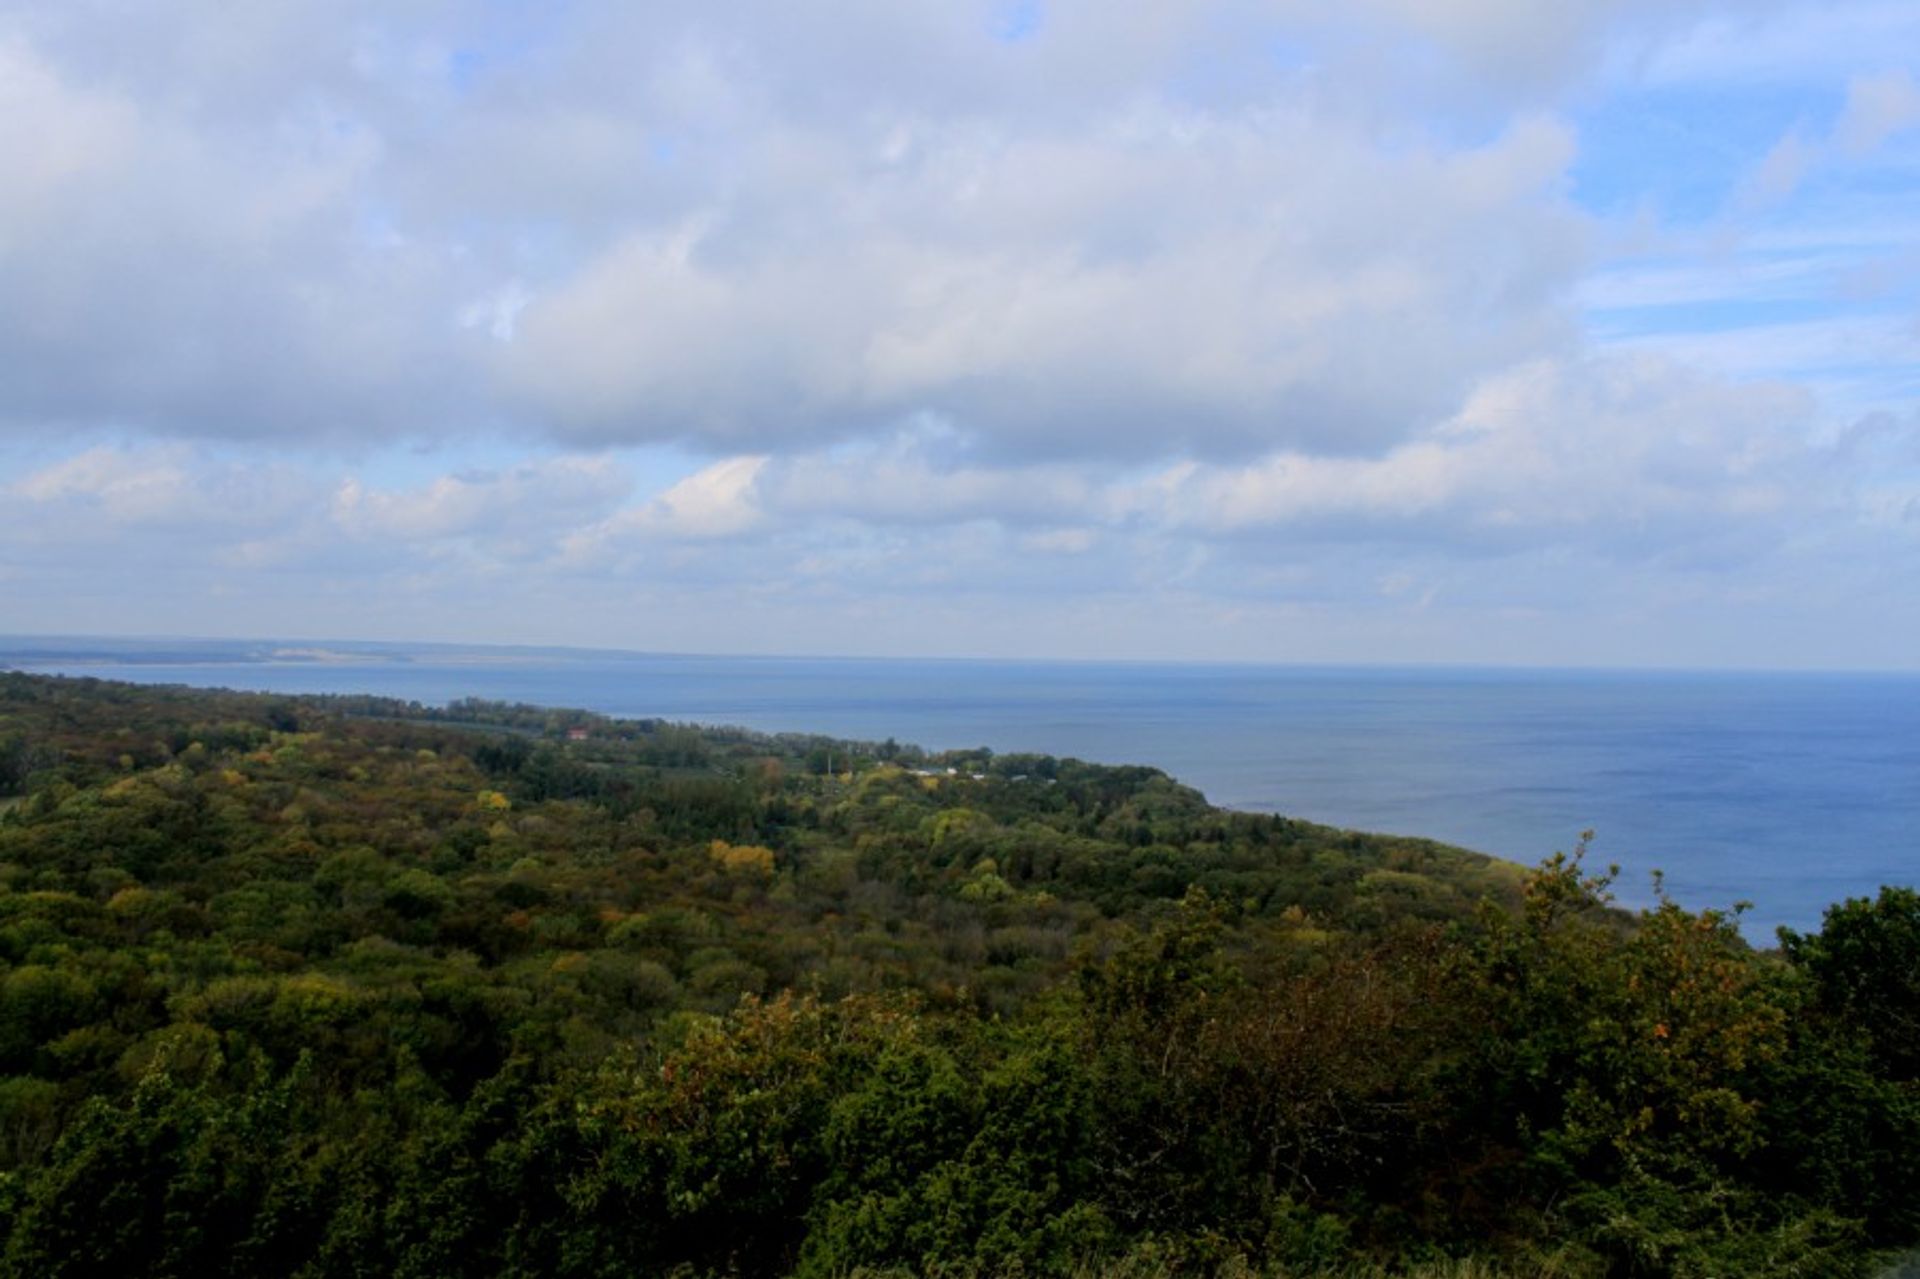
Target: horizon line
[{"x": 588, "y": 650}]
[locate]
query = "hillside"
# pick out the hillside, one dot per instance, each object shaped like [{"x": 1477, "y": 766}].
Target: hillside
[{"x": 345, "y": 985}]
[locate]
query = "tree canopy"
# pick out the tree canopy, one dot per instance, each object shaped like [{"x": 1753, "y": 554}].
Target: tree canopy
[{"x": 346, "y": 985}]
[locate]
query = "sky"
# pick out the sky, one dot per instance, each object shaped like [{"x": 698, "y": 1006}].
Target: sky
[{"x": 1490, "y": 331}]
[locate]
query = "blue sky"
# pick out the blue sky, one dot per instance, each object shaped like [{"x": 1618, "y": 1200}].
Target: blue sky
[{"x": 1400, "y": 331}]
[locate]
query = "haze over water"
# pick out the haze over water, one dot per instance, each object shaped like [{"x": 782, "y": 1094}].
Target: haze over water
[{"x": 1791, "y": 791}]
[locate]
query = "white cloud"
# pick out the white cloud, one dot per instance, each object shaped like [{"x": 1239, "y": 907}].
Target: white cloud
[
  {"x": 1878, "y": 107},
  {"x": 909, "y": 483},
  {"x": 537, "y": 500},
  {"x": 55, "y": 140},
  {"x": 200, "y": 279},
  {"x": 1279, "y": 315},
  {"x": 747, "y": 226},
  {"x": 1171, "y": 282},
  {"x": 716, "y": 503},
  {"x": 719, "y": 501},
  {"x": 498, "y": 312},
  {"x": 111, "y": 490},
  {"x": 1783, "y": 42},
  {"x": 1804, "y": 350},
  {"x": 1622, "y": 455},
  {"x": 1538, "y": 47},
  {"x": 128, "y": 483},
  {"x": 1781, "y": 171},
  {"x": 1061, "y": 541}
]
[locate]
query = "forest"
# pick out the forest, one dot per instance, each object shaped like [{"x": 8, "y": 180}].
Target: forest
[{"x": 328, "y": 986}]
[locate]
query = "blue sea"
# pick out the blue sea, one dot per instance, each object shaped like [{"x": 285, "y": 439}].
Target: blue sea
[{"x": 1789, "y": 791}]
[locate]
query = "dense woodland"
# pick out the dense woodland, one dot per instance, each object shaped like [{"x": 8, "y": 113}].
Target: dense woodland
[{"x": 345, "y": 986}]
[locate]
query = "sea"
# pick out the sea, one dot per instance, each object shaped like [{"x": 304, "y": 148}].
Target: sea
[{"x": 1785, "y": 791}]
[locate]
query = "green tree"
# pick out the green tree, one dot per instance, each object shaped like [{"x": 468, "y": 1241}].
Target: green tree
[{"x": 1865, "y": 963}]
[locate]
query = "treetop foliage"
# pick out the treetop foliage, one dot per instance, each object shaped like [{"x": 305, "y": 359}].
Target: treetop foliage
[{"x": 346, "y": 985}]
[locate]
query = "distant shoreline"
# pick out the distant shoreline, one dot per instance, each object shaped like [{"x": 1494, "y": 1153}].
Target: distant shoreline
[
  {"x": 1792, "y": 790},
  {"x": 270, "y": 651}
]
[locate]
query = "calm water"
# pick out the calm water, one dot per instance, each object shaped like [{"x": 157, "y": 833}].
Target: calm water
[{"x": 1789, "y": 791}]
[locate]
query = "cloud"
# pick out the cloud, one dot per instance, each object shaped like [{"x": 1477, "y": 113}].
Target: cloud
[
  {"x": 742, "y": 228},
  {"x": 718, "y": 501},
  {"x": 1554, "y": 481},
  {"x": 1134, "y": 231},
  {"x": 1878, "y": 107},
  {"x": 1536, "y": 48},
  {"x": 534, "y": 501},
  {"x": 1061, "y": 541},
  {"x": 170, "y": 510},
  {"x": 127, "y": 484},
  {"x": 1781, "y": 171},
  {"x": 1277, "y": 316},
  {"x": 1781, "y": 43},
  {"x": 56, "y": 139},
  {"x": 1120, "y": 236},
  {"x": 1624, "y": 455},
  {"x": 113, "y": 490},
  {"x": 203, "y": 281},
  {"x": 922, "y": 478},
  {"x": 1171, "y": 283}
]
